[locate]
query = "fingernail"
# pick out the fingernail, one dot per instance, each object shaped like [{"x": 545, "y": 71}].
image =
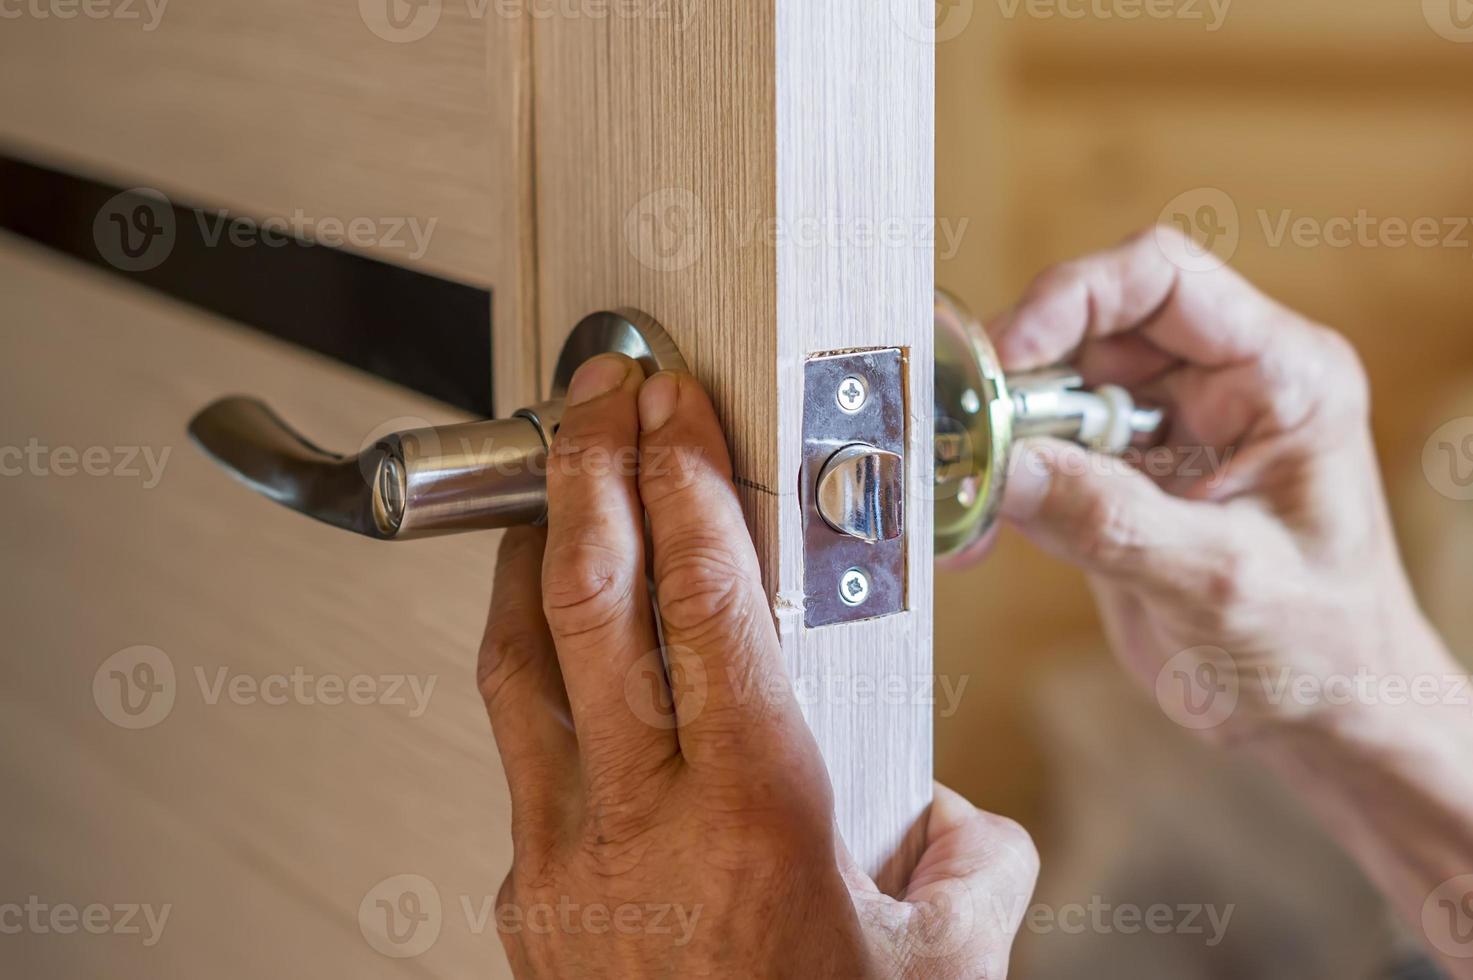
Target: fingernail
[
  {"x": 598, "y": 376},
  {"x": 657, "y": 401}
]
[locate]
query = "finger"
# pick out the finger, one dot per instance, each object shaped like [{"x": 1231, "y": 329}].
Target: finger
[
  {"x": 1209, "y": 318},
  {"x": 727, "y": 674},
  {"x": 518, "y": 675},
  {"x": 972, "y": 886},
  {"x": 1099, "y": 513},
  {"x": 593, "y": 580},
  {"x": 963, "y": 842},
  {"x": 1128, "y": 360}
]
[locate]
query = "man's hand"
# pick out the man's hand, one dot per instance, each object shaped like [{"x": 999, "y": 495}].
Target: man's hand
[
  {"x": 1247, "y": 571},
  {"x": 1253, "y": 545},
  {"x": 671, "y": 814}
]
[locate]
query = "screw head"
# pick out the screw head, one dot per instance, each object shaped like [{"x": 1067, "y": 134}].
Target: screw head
[
  {"x": 854, "y": 587},
  {"x": 852, "y": 394}
]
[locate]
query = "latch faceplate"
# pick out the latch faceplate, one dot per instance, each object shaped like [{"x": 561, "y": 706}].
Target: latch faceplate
[{"x": 852, "y": 486}]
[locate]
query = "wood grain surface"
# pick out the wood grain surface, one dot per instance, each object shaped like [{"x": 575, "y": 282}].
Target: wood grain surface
[
  {"x": 264, "y": 826},
  {"x": 729, "y": 169},
  {"x": 276, "y": 108}
]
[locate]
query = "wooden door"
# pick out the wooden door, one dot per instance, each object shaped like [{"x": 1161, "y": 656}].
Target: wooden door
[{"x": 756, "y": 176}]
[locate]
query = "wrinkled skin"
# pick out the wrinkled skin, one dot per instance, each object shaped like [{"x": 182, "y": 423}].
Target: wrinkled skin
[
  {"x": 1253, "y": 579},
  {"x": 680, "y": 823},
  {"x": 1255, "y": 537}
]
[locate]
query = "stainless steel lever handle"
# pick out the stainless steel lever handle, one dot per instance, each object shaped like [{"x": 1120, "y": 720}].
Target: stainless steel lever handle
[
  {"x": 468, "y": 477},
  {"x": 409, "y": 484}
]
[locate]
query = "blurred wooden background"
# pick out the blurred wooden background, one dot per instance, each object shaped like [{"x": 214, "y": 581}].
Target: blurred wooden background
[{"x": 1059, "y": 136}]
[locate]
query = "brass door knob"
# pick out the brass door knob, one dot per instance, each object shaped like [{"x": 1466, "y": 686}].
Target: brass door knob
[{"x": 981, "y": 412}]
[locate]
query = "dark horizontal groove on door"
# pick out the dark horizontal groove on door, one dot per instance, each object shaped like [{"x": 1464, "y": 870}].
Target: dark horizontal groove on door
[{"x": 429, "y": 334}]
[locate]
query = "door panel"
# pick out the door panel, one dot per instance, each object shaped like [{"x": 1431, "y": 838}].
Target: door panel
[
  {"x": 276, "y": 107},
  {"x": 759, "y": 178},
  {"x": 736, "y": 170},
  {"x": 263, "y": 826}
]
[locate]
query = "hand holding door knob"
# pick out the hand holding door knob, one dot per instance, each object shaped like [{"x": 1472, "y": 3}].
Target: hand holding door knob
[{"x": 981, "y": 412}]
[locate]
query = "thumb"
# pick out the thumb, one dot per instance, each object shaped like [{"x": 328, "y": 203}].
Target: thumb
[
  {"x": 970, "y": 892},
  {"x": 1102, "y": 514}
]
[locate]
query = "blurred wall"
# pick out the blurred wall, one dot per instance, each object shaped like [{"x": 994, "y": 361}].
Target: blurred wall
[{"x": 1063, "y": 126}]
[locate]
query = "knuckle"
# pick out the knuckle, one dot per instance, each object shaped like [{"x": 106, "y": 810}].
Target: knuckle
[
  {"x": 1228, "y": 584},
  {"x": 1059, "y": 277},
  {"x": 668, "y": 473},
  {"x": 1164, "y": 234},
  {"x": 533, "y": 872},
  {"x": 780, "y": 821},
  {"x": 1104, "y": 529},
  {"x": 1017, "y": 843},
  {"x": 586, "y": 587},
  {"x": 505, "y": 654},
  {"x": 1346, "y": 371},
  {"x": 1231, "y": 599},
  {"x": 702, "y": 589}
]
